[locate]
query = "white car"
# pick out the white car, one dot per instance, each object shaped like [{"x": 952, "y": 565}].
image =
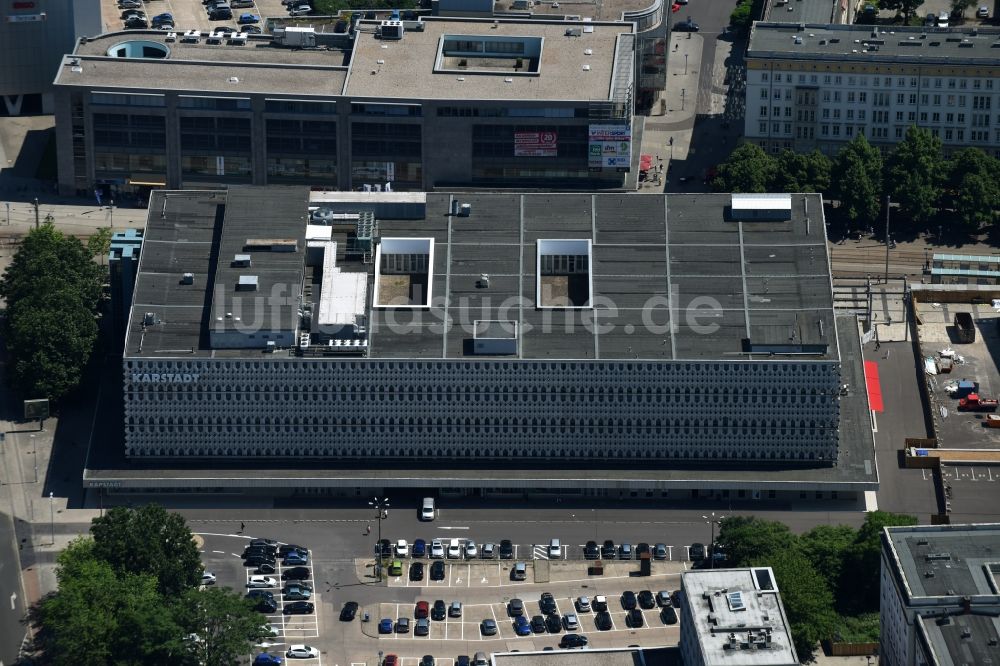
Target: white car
[
  {"x": 402, "y": 548},
  {"x": 470, "y": 550},
  {"x": 583, "y": 604},
  {"x": 427, "y": 509},
  {"x": 983, "y": 12},
  {"x": 261, "y": 581},
  {"x": 454, "y": 550},
  {"x": 571, "y": 621},
  {"x": 271, "y": 630},
  {"x": 208, "y": 578},
  {"x": 301, "y": 652},
  {"x": 301, "y": 10},
  {"x": 943, "y": 19},
  {"x": 437, "y": 549}
]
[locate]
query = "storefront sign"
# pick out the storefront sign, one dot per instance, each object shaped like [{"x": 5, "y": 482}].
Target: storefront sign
[
  {"x": 610, "y": 146},
  {"x": 536, "y": 144},
  {"x": 164, "y": 378}
]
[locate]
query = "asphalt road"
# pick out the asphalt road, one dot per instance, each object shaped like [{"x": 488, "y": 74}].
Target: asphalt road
[{"x": 12, "y": 608}]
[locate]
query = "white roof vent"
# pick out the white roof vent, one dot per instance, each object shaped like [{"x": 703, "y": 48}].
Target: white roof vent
[
  {"x": 187, "y": 278},
  {"x": 588, "y": 52},
  {"x": 171, "y": 37},
  {"x": 233, "y": 79},
  {"x": 247, "y": 283},
  {"x": 586, "y": 68}
]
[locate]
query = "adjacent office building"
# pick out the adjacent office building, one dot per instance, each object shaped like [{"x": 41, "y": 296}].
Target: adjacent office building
[
  {"x": 34, "y": 34},
  {"x": 734, "y": 616},
  {"x": 512, "y": 328},
  {"x": 979, "y": 269},
  {"x": 812, "y": 86},
  {"x": 939, "y": 603},
  {"x": 403, "y": 105}
]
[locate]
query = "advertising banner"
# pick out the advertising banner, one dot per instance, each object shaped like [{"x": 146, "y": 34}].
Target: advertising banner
[
  {"x": 535, "y": 144},
  {"x": 610, "y": 146}
]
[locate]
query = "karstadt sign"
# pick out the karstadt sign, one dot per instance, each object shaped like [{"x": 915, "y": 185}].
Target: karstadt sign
[{"x": 164, "y": 378}]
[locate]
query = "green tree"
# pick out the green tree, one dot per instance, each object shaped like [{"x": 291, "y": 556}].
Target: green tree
[
  {"x": 226, "y": 625},
  {"x": 807, "y": 599},
  {"x": 100, "y": 243},
  {"x": 914, "y": 174},
  {"x": 747, "y": 169},
  {"x": 149, "y": 540},
  {"x": 862, "y": 563},
  {"x": 906, "y": 7},
  {"x": 740, "y": 18},
  {"x": 802, "y": 172},
  {"x": 959, "y": 7},
  {"x": 972, "y": 188},
  {"x": 825, "y": 546},
  {"x": 856, "y": 180},
  {"x": 51, "y": 288},
  {"x": 99, "y": 616},
  {"x": 748, "y": 538}
]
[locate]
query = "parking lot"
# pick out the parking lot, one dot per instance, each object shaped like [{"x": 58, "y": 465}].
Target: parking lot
[{"x": 191, "y": 14}]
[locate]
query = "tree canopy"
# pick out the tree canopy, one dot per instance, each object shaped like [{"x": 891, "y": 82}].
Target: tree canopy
[
  {"x": 914, "y": 174},
  {"x": 113, "y": 608},
  {"x": 747, "y": 169},
  {"x": 856, "y": 180},
  {"x": 51, "y": 288}
]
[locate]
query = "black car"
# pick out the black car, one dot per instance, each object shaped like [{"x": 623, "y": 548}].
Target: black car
[
  {"x": 686, "y": 26},
  {"x": 260, "y": 594},
  {"x": 646, "y": 599},
  {"x": 634, "y": 618},
  {"x": 348, "y": 612},
  {"x": 553, "y": 623},
  {"x": 668, "y": 615},
  {"x": 538, "y": 624},
  {"x": 299, "y": 608},
  {"x": 290, "y": 547},
  {"x": 386, "y": 547},
  {"x": 643, "y": 547},
  {"x": 696, "y": 552},
  {"x": 220, "y": 15},
  {"x": 603, "y": 621},
  {"x": 628, "y": 600},
  {"x": 439, "y": 610},
  {"x": 265, "y": 568},
  {"x": 417, "y": 571},
  {"x": 547, "y": 603},
  {"x": 506, "y": 550},
  {"x": 296, "y": 573},
  {"x": 573, "y": 641},
  {"x": 258, "y": 561},
  {"x": 608, "y": 550},
  {"x": 437, "y": 570},
  {"x": 135, "y": 23},
  {"x": 252, "y": 550},
  {"x": 266, "y": 606},
  {"x": 600, "y": 603},
  {"x": 225, "y": 30},
  {"x": 515, "y": 607},
  {"x": 675, "y": 597},
  {"x": 428, "y": 660},
  {"x": 252, "y": 29},
  {"x": 591, "y": 551}
]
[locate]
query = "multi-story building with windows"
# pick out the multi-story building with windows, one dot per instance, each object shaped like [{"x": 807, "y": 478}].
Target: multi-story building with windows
[
  {"x": 734, "y": 616},
  {"x": 939, "y": 599},
  {"x": 563, "y": 333},
  {"x": 411, "y": 105},
  {"x": 818, "y": 86}
]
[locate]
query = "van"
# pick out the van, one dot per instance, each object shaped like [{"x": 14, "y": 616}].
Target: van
[
  {"x": 427, "y": 509},
  {"x": 555, "y": 549},
  {"x": 519, "y": 572}
]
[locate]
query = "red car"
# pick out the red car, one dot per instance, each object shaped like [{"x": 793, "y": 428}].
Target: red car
[
  {"x": 422, "y": 610},
  {"x": 675, "y": 8},
  {"x": 390, "y": 660}
]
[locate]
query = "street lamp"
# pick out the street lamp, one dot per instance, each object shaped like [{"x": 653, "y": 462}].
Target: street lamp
[
  {"x": 52, "y": 516},
  {"x": 685, "y": 64},
  {"x": 712, "y": 520},
  {"x": 381, "y": 506}
]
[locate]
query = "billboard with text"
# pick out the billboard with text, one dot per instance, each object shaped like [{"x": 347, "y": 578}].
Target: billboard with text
[
  {"x": 610, "y": 146},
  {"x": 535, "y": 144}
]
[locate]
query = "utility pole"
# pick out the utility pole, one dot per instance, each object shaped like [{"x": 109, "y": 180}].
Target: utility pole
[
  {"x": 381, "y": 506},
  {"x": 713, "y": 521},
  {"x": 52, "y": 516},
  {"x": 36, "y": 212},
  {"x": 888, "y": 204},
  {"x": 112, "y": 209}
]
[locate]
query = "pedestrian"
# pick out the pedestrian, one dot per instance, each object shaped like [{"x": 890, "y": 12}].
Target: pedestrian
[
  {"x": 877, "y": 345},
  {"x": 243, "y": 526},
  {"x": 368, "y": 529}
]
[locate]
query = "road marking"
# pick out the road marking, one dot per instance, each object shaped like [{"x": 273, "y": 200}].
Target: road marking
[
  {"x": 670, "y": 553},
  {"x": 219, "y": 552},
  {"x": 13, "y": 603},
  {"x": 453, "y": 528}
]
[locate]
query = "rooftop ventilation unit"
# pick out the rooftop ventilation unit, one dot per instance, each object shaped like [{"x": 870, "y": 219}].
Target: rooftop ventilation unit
[
  {"x": 247, "y": 283},
  {"x": 187, "y": 278},
  {"x": 149, "y": 319},
  {"x": 192, "y": 36},
  {"x": 171, "y": 37},
  {"x": 241, "y": 261},
  {"x": 574, "y": 32},
  {"x": 391, "y": 30},
  {"x": 239, "y": 39},
  {"x": 214, "y": 40},
  {"x": 494, "y": 337}
]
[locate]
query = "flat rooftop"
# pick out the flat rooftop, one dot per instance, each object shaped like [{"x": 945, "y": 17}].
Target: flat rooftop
[
  {"x": 960, "y": 640},
  {"x": 406, "y": 68},
  {"x": 258, "y": 67},
  {"x": 855, "y": 471},
  {"x": 673, "y": 277},
  {"x": 738, "y": 617},
  {"x": 804, "y": 11},
  {"x": 898, "y": 45},
  {"x": 964, "y": 560}
]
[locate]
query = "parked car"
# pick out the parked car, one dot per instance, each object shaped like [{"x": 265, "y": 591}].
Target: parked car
[
  {"x": 583, "y": 604},
  {"x": 299, "y": 608},
  {"x": 439, "y": 610},
  {"x": 668, "y": 615},
  {"x": 573, "y": 641},
  {"x": 628, "y": 600},
  {"x": 165, "y": 17},
  {"x": 515, "y": 607},
  {"x": 422, "y": 627},
  {"x": 301, "y": 652},
  {"x": 591, "y": 551},
  {"x": 686, "y": 26},
  {"x": 634, "y": 618},
  {"x": 538, "y": 624},
  {"x": 600, "y": 603},
  {"x": 471, "y": 551},
  {"x": 983, "y": 12},
  {"x": 427, "y": 511},
  {"x": 220, "y": 15},
  {"x": 130, "y": 4},
  {"x": 454, "y": 550},
  {"x": 403, "y": 625},
  {"x": 417, "y": 571},
  {"x": 385, "y": 626},
  {"x": 455, "y": 609},
  {"x": 488, "y": 627},
  {"x": 301, "y": 10},
  {"x": 555, "y": 549},
  {"x": 396, "y": 568},
  {"x": 421, "y": 609},
  {"x": 286, "y": 548},
  {"x": 295, "y": 558},
  {"x": 208, "y": 578},
  {"x": 241, "y": 4},
  {"x": 481, "y": 659},
  {"x": 488, "y": 551},
  {"x": 385, "y": 547},
  {"x": 646, "y": 599},
  {"x": 437, "y": 549},
  {"x": 135, "y": 23},
  {"x": 267, "y": 659},
  {"x": 553, "y": 623},
  {"x": 390, "y": 660},
  {"x": 257, "y": 595},
  {"x": 437, "y": 570},
  {"x": 401, "y": 549},
  {"x": 640, "y": 549},
  {"x": 265, "y": 568},
  {"x": 603, "y": 621},
  {"x": 625, "y": 551},
  {"x": 571, "y": 621},
  {"x": 261, "y": 581},
  {"x": 943, "y": 19},
  {"x": 662, "y": 598},
  {"x": 419, "y": 548},
  {"x": 519, "y": 571},
  {"x": 296, "y": 573},
  {"x": 660, "y": 551},
  {"x": 349, "y": 611},
  {"x": 521, "y": 626},
  {"x": 608, "y": 550},
  {"x": 296, "y": 592},
  {"x": 506, "y": 550},
  {"x": 547, "y": 603}
]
